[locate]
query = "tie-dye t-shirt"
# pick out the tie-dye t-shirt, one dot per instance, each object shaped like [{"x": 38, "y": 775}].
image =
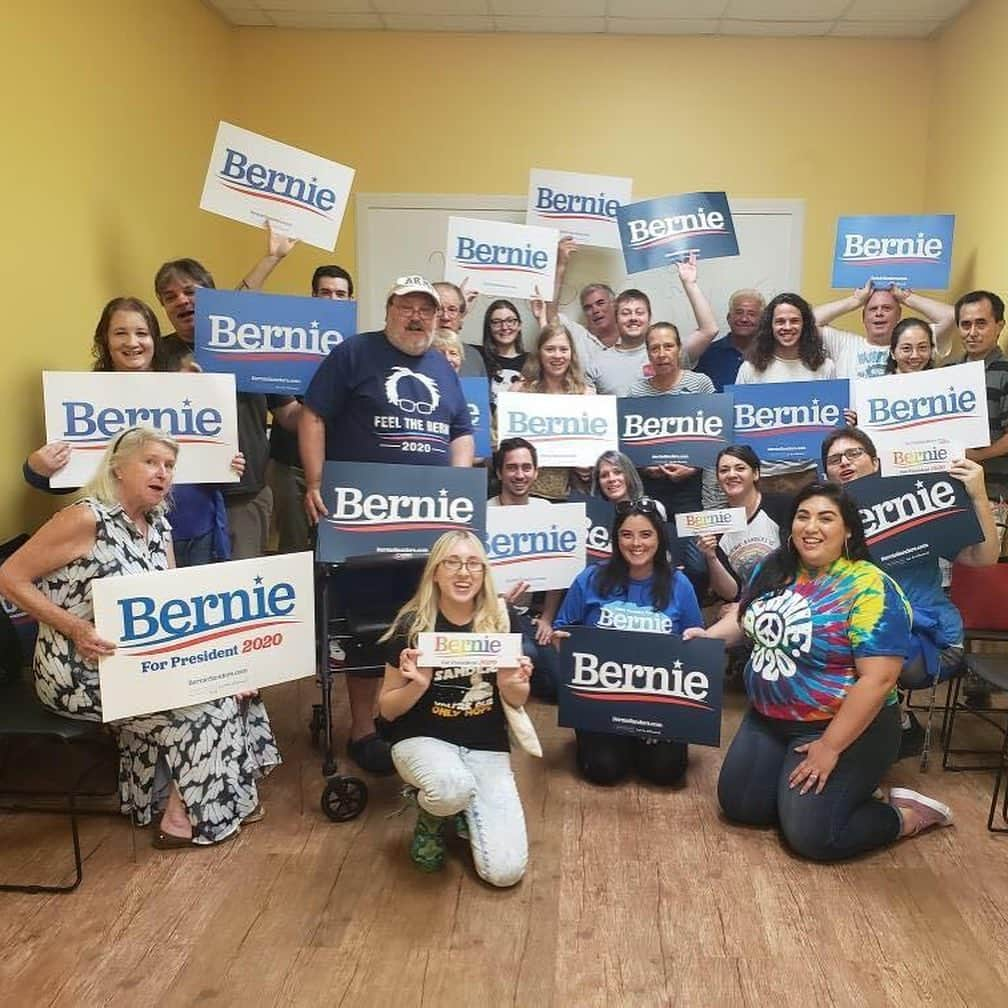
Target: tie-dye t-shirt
[{"x": 807, "y": 637}]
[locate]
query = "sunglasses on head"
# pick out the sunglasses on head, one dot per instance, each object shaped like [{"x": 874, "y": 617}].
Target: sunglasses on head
[{"x": 642, "y": 505}]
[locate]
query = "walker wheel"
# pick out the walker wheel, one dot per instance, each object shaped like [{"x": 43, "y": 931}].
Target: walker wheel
[{"x": 344, "y": 798}]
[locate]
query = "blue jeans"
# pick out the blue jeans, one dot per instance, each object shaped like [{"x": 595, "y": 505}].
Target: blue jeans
[
  {"x": 842, "y": 822},
  {"x": 544, "y": 657},
  {"x": 193, "y": 552}
]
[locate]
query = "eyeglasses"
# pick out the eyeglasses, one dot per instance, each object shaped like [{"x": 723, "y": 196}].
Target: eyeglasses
[
  {"x": 851, "y": 454},
  {"x": 412, "y": 406},
  {"x": 454, "y": 564},
  {"x": 508, "y": 323},
  {"x": 424, "y": 311},
  {"x": 642, "y": 505},
  {"x": 450, "y": 309}
]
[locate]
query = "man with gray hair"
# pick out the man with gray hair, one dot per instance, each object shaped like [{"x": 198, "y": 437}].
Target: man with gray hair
[
  {"x": 451, "y": 316},
  {"x": 721, "y": 359}
]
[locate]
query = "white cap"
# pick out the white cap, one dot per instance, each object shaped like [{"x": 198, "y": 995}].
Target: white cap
[{"x": 414, "y": 285}]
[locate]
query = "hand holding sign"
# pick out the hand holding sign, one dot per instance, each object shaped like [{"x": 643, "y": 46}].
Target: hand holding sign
[
  {"x": 421, "y": 675},
  {"x": 278, "y": 244}
]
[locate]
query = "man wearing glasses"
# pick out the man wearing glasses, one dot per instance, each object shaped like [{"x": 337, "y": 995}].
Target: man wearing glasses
[
  {"x": 451, "y": 316},
  {"x": 383, "y": 397}
]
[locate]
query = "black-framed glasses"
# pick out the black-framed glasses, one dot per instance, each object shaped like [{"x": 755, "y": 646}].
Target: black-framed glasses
[
  {"x": 641, "y": 505},
  {"x": 851, "y": 454},
  {"x": 501, "y": 323},
  {"x": 454, "y": 564}
]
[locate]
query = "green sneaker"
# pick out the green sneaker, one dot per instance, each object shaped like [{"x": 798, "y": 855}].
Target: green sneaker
[
  {"x": 461, "y": 826},
  {"x": 427, "y": 851}
]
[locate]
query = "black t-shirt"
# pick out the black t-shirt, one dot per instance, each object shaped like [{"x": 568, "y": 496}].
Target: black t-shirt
[
  {"x": 503, "y": 372},
  {"x": 461, "y": 705}
]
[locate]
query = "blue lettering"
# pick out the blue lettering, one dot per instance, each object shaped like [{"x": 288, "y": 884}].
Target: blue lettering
[
  {"x": 269, "y": 180},
  {"x": 82, "y": 420}
]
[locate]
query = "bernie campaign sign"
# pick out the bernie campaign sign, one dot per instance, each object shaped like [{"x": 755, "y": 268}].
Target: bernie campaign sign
[
  {"x": 477, "y": 397},
  {"x": 894, "y": 251},
  {"x": 675, "y": 429},
  {"x": 195, "y": 634},
  {"x": 653, "y": 685},
  {"x": 599, "y": 515},
  {"x": 582, "y": 207},
  {"x": 381, "y": 509},
  {"x": 910, "y": 519},
  {"x": 657, "y": 232},
  {"x": 787, "y": 421},
  {"x": 271, "y": 343},
  {"x": 540, "y": 544}
]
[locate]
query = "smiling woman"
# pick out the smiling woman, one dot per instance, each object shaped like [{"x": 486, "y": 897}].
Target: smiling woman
[
  {"x": 213, "y": 753},
  {"x": 829, "y": 632}
]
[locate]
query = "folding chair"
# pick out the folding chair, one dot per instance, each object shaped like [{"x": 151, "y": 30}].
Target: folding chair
[{"x": 979, "y": 593}]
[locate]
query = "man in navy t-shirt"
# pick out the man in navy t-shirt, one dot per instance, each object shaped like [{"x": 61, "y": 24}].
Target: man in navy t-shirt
[{"x": 383, "y": 397}]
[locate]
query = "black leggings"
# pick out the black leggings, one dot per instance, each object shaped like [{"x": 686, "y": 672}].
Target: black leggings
[
  {"x": 607, "y": 759},
  {"x": 842, "y": 822}
]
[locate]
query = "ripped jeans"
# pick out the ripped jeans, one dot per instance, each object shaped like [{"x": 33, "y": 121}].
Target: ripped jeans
[{"x": 453, "y": 779}]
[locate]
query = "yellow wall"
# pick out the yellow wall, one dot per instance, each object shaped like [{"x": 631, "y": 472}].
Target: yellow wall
[
  {"x": 968, "y": 145},
  {"x": 115, "y": 116}
]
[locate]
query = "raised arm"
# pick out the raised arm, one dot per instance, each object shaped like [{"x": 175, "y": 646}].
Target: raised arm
[
  {"x": 827, "y": 313},
  {"x": 277, "y": 248},
  {"x": 938, "y": 313},
  {"x": 707, "y": 328},
  {"x": 985, "y": 553},
  {"x": 565, "y": 247}
]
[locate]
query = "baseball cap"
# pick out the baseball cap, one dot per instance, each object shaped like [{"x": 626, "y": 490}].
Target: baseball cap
[{"x": 414, "y": 285}]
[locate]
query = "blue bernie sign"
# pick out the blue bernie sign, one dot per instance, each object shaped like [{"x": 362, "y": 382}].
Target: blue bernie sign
[
  {"x": 271, "y": 343},
  {"x": 912, "y": 252}
]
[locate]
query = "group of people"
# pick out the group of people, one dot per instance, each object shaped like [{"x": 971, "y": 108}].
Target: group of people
[{"x": 827, "y": 636}]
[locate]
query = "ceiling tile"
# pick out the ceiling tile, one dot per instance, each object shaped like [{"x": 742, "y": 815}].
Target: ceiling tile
[
  {"x": 324, "y": 7},
  {"x": 541, "y": 25},
  {"x": 419, "y": 8},
  {"x": 786, "y": 10},
  {"x": 439, "y": 22},
  {"x": 549, "y": 8},
  {"x": 775, "y": 29},
  {"x": 661, "y": 26},
  {"x": 885, "y": 29},
  {"x": 902, "y": 10},
  {"x": 683, "y": 9},
  {"x": 334, "y": 22}
]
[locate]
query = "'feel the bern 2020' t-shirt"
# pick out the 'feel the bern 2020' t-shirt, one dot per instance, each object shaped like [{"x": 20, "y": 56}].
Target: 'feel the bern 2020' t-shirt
[
  {"x": 807, "y": 636},
  {"x": 382, "y": 405}
]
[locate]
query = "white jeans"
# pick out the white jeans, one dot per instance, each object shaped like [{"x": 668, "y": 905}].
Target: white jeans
[{"x": 452, "y": 779}]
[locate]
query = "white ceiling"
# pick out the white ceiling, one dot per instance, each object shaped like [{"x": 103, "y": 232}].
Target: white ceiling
[{"x": 850, "y": 18}]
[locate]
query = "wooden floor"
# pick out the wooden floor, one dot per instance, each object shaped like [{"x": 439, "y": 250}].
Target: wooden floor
[{"x": 634, "y": 896}]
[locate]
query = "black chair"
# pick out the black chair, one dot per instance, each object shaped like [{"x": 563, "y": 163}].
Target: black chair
[{"x": 34, "y": 739}]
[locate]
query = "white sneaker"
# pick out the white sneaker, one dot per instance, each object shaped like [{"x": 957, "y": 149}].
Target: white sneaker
[{"x": 930, "y": 811}]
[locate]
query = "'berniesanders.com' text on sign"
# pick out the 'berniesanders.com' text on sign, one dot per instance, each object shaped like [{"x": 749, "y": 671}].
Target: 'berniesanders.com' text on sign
[
  {"x": 567, "y": 430},
  {"x": 196, "y": 634},
  {"x": 913, "y": 519},
  {"x": 652, "y": 685},
  {"x": 254, "y": 179},
  {"x": 787, "y": 421},
  {"x": 887, "y": 251},
  {"x": 89, "y": 409},
  {"x": 379, "y": 509},
  {"x": 675, "y": 429},
  {"x": 500, "y": 259},
  {"x": 271, "y": 343},
  {"x": 657, "y": 232}
]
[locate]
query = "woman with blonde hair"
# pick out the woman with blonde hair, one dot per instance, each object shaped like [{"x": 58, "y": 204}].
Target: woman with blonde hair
[
  {"x": 448, "y": 726},
  {"x": 554, "y": 368},
  {"x": 211, "y": 754}
]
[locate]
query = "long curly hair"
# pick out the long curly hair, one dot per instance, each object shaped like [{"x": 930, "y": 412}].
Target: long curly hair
[
  {"x": 811, "y": 351},
  {"x": 419, "y": 615}
]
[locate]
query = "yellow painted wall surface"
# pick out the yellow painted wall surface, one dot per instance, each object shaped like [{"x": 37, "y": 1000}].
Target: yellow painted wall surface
[
  {"x": 114, "y": 114},
  {"x": 109, "y": 115},
  {"x": 456, "y": 113},
  {"x": 968, "y": 146}
]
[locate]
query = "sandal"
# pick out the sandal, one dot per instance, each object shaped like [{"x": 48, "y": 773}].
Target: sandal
[{"x": 256, "y": 815}]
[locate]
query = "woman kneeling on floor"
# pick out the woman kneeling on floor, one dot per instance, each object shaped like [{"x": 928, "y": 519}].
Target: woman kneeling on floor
[
  {"x": 448, "y": 726},
  {"x": 203, "y": 761},
  {"x": 637, "y": 588},
  {"x": 829, "y": 632}
]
